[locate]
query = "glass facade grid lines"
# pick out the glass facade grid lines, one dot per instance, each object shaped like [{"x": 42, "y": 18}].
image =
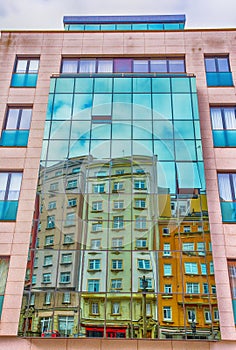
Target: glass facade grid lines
[{"x": 138, "y": 185}]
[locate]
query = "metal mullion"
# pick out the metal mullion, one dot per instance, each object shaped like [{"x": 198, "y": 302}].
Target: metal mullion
[
  {"x": 27, "y": 66},
  {"x": 19, "y": 119},
  {"x": 7, "y": 186}
]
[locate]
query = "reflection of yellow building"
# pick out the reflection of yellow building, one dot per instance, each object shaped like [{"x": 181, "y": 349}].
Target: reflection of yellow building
[{"x": 187, "y": 298}]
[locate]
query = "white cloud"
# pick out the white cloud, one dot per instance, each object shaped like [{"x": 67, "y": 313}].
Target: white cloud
[{"x": 48, "y": 14}]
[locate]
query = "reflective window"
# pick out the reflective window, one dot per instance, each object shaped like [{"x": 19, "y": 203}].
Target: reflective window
[{"x": 123, "y": 218}]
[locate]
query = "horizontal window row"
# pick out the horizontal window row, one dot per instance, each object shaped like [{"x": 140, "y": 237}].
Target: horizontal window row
[
  {"x": 124, "y": 26},
  {"x": 217, "y": 68}
]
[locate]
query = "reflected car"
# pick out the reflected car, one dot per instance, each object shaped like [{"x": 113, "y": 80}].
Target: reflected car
[{"x": 50, "y": 334}]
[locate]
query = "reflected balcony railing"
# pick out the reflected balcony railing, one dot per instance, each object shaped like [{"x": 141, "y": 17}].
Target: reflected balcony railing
[
  {"x": 24, "y": 80},
  {"x": 11, "y": 138},
  {"x": 219, "y": 79},
  {"x": 228, "y": 211},
  {"x": 224, "y": 138},
  {"x": 8, "y": 210}
]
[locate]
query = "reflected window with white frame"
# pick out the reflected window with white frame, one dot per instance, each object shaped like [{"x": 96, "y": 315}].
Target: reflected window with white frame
[
  {"x": 167, "y": 313},
  {"x": 115, "y": 308}
]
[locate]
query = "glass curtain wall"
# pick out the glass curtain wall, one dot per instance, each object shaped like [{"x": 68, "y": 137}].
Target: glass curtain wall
[{"x": 120, "y": 242}]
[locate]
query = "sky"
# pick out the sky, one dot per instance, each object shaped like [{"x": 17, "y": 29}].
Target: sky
[{"x": 48, "y": 14}]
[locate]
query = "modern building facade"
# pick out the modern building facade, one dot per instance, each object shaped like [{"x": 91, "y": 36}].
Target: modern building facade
[{"x": 118, "y": 185}]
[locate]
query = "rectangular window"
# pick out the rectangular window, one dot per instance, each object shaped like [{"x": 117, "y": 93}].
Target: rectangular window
[
  {"x": 115, "y": 308},
  {"x": 52, "y": 205},
  {"x": 47, "y": 260},
  {"x": 32, "y": 300},
  {"x": 70, "y": 65},
  {"x": 94, "y": 308},
  {"x": 187, "y": 229},
  {"x": 95, "y": 244},
  {"x": 49, "y": 240},
  {"x": 166, "y": 249},
  {"x": 94, "y": 264},
  {"x": 118, "y": 186},
  {"x": 54, "y": 186},
  {"x": 148, "y": 281},
  {"x": 25, "y": 72},
  {"x": 167, "y": 65},
  {"x": 140, "y": 222},
  {"x": 117, "y": 243},
  {"x": 203, "y": 269},
  {"x": 167, "y": 288},
  {"x": 65, "y": 325},
  {"x": 191, "y": 314},
  {"x": 99, "y": 188},
  {"x": 46, "y": 324},
  {"x": 71, "y": 184},
  {"x": 192, "y": 288},
  {"x": 66, "y": 258},
  {"x": 167, "y": 313},
  {"x": 16, "y": 127},
  {"x": 191, "y": 268},
  {"x": 167, "y": 269},
  {"x": 165, "y": 231},
  {"x": 118, "y": 222},
  {"x": 47, "y": 299},
  {"x": 201, "y": 248},
  {"x": 118, "y": 205},
  {"x": 140, "y": 185},
  {"x": 70, "y": 219},
  {"x": 205, "y": 288},
  {"x": 140, "y": 203},
  {"x": 227, "y": 192},
  {"x": 97, "y": 206},
  {"x": 68, "y": 238},
  {"x": 218, "y": 71},
  {"x": 211, "y": 268},
  {"x": 10, "y": 184},
  {"x": 223, "y": 120},
  {"x": 47, "y": 277},
  {"x": 93, "y": 285},
  {"x": 213, "y": 289},
  {"x": 144, "y": 264},
  {"x": 96, "y": 227},
  {"x": 66, "y": 298},
  {"x": 216, "y": 314},
  {"x": 116, "y": 283},
  {"x": 117, "y": 264},
  {"x": 141, "y": 243},
  {"x": 65, "y": 277},
  {"x": 50, "y": 221},
  {"x": 72, "y": 202},
  {"x": 207, "y": 316},
  {"x": 188, "y": 247}
]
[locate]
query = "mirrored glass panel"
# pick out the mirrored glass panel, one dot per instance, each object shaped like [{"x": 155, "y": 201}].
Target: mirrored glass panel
[{"x": 120, "y": 243}]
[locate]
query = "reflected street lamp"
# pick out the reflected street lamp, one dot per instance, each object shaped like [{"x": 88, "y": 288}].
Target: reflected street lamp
[{"x": 144, "y": 288}]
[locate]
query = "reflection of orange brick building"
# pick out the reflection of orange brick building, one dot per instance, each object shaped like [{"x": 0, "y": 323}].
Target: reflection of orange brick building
[{"x": 185, "y": 250}]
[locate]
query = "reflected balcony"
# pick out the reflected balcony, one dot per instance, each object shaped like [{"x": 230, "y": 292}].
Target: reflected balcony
[
  {"x": 219, "y": 79},
  {"x": 24, "y": 80}
]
